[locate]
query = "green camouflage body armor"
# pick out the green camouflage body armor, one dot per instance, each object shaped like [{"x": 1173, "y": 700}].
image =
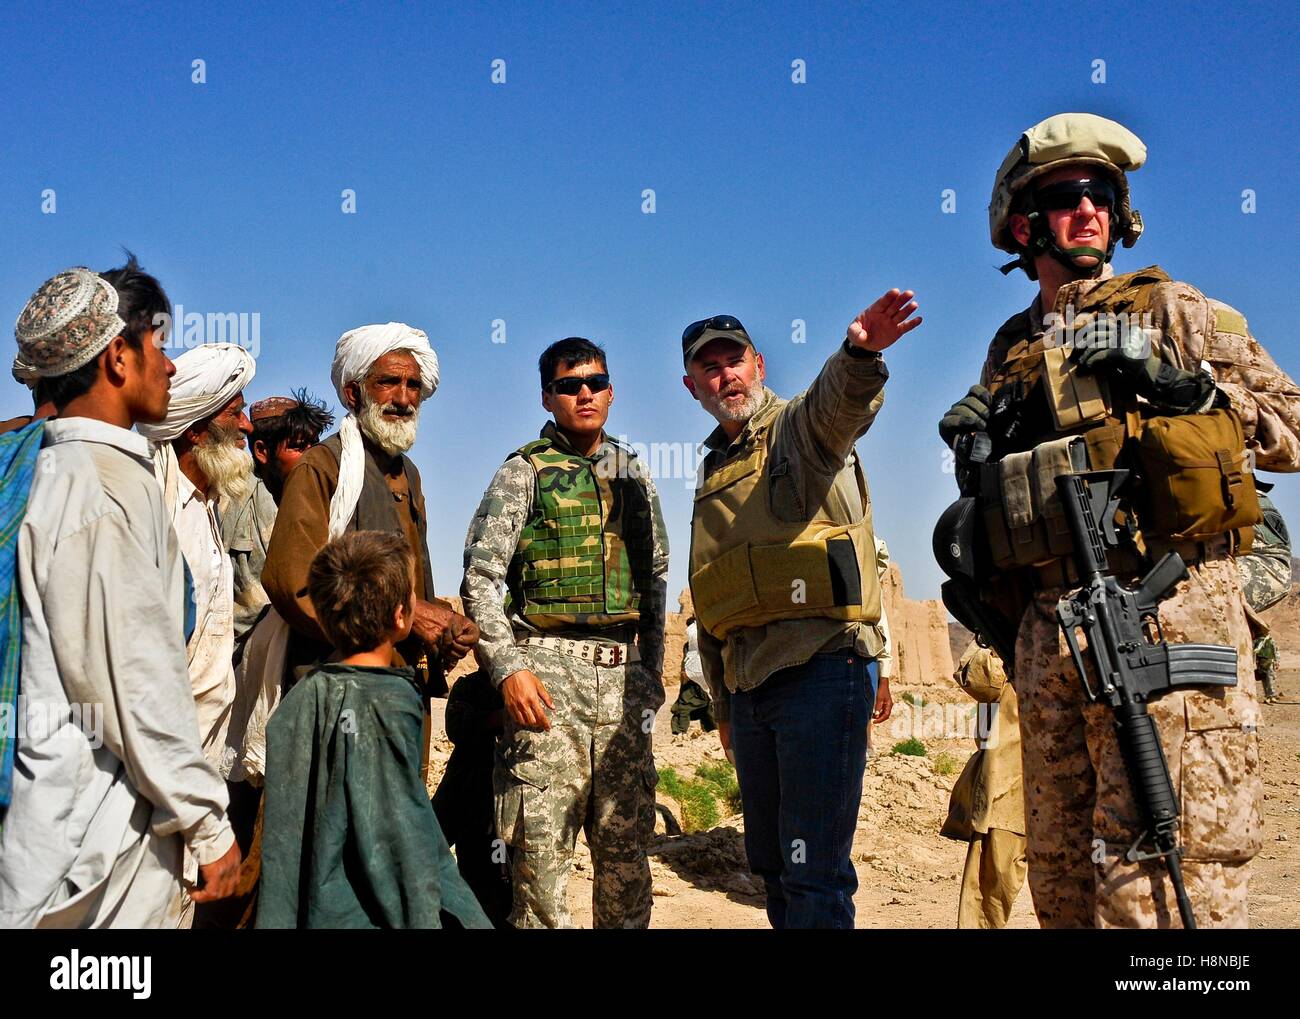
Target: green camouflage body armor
[{"x": 584, "y": 555}]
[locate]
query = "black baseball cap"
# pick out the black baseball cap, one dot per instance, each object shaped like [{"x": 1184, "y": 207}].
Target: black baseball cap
[{"x": 697, "y": 334}]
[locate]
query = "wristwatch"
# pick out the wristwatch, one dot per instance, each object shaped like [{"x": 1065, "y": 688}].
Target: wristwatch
[{"x": 862, "y": 354}]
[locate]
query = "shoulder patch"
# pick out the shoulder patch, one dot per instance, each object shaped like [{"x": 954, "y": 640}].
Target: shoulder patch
[
  {"x": 1229, "y": 320},
  {"x": 491, "y": 506}
]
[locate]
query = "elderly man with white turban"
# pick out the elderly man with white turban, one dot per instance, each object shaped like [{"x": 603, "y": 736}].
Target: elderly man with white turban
[
  {"x": 202, "y": 465},
  {"x": 360, "y": 479},
  {"x": 204, "y": 468},
  {"x": 110, "y": 787}
]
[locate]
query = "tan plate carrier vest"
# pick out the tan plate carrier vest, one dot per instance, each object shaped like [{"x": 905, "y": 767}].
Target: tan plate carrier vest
[
  {"x": 1195, "y": 482},
  {"x": 750, "y": 568}
]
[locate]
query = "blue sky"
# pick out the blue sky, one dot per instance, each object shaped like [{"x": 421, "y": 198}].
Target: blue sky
[{"x": 522, "y": 201}]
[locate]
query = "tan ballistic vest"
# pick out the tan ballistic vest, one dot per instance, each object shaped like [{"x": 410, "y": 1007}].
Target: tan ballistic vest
[
  {"x": 750, "y": 568},
  {"x": 1195, "y": 483}
]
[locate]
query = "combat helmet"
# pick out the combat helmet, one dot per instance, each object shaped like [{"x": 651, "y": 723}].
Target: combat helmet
[{"x": 1066, "y": 139}]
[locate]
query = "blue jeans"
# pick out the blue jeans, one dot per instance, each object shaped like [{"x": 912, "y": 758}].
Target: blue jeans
[{"x": 800, "y": 743}]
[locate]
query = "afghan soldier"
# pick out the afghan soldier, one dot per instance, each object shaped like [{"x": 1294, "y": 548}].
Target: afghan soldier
[
  {"x": 571, "y": 524},
  {"x": 1185, "y": 375},
  {"x": 785, "y": 584},
  {"x": 1266, "y": 579}
]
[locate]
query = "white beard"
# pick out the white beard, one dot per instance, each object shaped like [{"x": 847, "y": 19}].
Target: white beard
[
  {"x": 746, "y": 409},
  {"x": 393, "y": 436},
  {"x": 228, "y": 467}
]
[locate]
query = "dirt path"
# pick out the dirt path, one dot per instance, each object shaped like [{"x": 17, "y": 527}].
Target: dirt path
[{"x": 908, "y": 875}]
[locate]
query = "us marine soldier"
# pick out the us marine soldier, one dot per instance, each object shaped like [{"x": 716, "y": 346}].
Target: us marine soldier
[
  {"x": 1190, "y": 377},
  {"x": 571, "y": 524}
]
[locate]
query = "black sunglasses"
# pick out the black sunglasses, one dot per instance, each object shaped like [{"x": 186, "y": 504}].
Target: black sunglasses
[
  {"x": 723, "y": 323},
  {"x": 571, "y": 385},
  {"x": 1067, "y": 194}
]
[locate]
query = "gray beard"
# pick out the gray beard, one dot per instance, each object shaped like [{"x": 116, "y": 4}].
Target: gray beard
[
  {"x": 228, "y": 468},
  {"x": 393, "y": 437},
  {"x": 748, "y": 407}
]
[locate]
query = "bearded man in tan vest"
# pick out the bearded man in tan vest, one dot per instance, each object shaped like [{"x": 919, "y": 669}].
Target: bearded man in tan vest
[{"x": 787, "y": 599}]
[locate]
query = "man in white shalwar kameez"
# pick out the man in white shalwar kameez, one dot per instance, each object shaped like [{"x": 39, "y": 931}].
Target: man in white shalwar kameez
[
  {"x": 101, "y": 814},
  {"x": 203, "y": 466}
]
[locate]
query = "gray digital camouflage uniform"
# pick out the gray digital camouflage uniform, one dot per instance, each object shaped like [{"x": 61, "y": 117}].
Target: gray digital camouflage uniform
[
  {"x": 1265, "y": 581},
  {"x": 594, "y": 769}
]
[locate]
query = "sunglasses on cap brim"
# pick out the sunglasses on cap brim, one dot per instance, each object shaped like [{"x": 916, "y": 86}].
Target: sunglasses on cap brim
[
  {"x": 721, "y": 323},
  {"x": 1067, "y": 194},
  {"x": 571, "y": 385}
]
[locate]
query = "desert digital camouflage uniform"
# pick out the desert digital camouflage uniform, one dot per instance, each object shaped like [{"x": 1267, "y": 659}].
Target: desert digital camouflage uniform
[
  {"x": 1080, "y": 813},
  {"x": 1265, "y": 580},
  {"x": 987, "y": 806},
  {"x": 594, "y": 768}
]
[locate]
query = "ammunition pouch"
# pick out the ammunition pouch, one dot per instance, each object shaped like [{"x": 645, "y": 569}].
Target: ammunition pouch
[
  {"x": 1196, "y": 485},
  {"x": 1198, "y": 482},
  {"x": 1023, "y": 518}
]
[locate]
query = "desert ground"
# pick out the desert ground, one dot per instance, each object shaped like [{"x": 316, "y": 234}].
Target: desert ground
[{"x": 908, "y": 874}]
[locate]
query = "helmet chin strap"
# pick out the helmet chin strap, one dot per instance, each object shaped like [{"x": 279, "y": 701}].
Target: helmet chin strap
[{"x": 1042, "y": 241}]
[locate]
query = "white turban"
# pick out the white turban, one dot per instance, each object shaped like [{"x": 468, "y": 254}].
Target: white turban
[
  {"x": 207, "y": 378},
  {"x": 354, "y": 355},
  {"x": 358, "y": 349}
]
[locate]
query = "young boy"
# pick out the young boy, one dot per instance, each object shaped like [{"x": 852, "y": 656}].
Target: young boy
[{"x": 349, "y": 838}]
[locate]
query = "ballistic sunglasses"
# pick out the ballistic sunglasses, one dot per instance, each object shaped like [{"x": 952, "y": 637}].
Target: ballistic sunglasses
[
  {"x": 1067, "y": 194},
  {"x": 571, "y": 385},
  {"x": 719, "y": 324},
  {"x": 722, "y": 323}
]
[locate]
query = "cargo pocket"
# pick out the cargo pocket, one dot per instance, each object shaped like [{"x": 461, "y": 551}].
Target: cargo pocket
[
  {"x": 1220, "y": 788},
  {"x": 521, "y": 814},
  {"x": 783, "y": 494},
  {"x": 724, "y": 588}
]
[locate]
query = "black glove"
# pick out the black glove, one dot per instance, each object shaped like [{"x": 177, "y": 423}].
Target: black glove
[
  {"x": 969, "y": 414},
  {"x": 1171, "y": 388}
]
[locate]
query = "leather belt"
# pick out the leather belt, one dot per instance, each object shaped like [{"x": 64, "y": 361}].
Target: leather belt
[{"x": 607, "y": 655}]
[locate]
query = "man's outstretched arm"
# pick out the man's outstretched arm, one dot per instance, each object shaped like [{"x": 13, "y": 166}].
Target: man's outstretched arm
[{"x": 822, "y": 425}]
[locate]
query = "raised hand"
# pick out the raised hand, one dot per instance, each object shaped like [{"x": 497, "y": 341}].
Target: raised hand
[{"x": 881, "y": 325}]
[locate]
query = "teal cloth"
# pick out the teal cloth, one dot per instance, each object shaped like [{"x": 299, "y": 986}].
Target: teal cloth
[
  {"x": 191, "y": 612},
  {"x": 349, "y": 838},
  {"x": 18, "y": 452}
]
